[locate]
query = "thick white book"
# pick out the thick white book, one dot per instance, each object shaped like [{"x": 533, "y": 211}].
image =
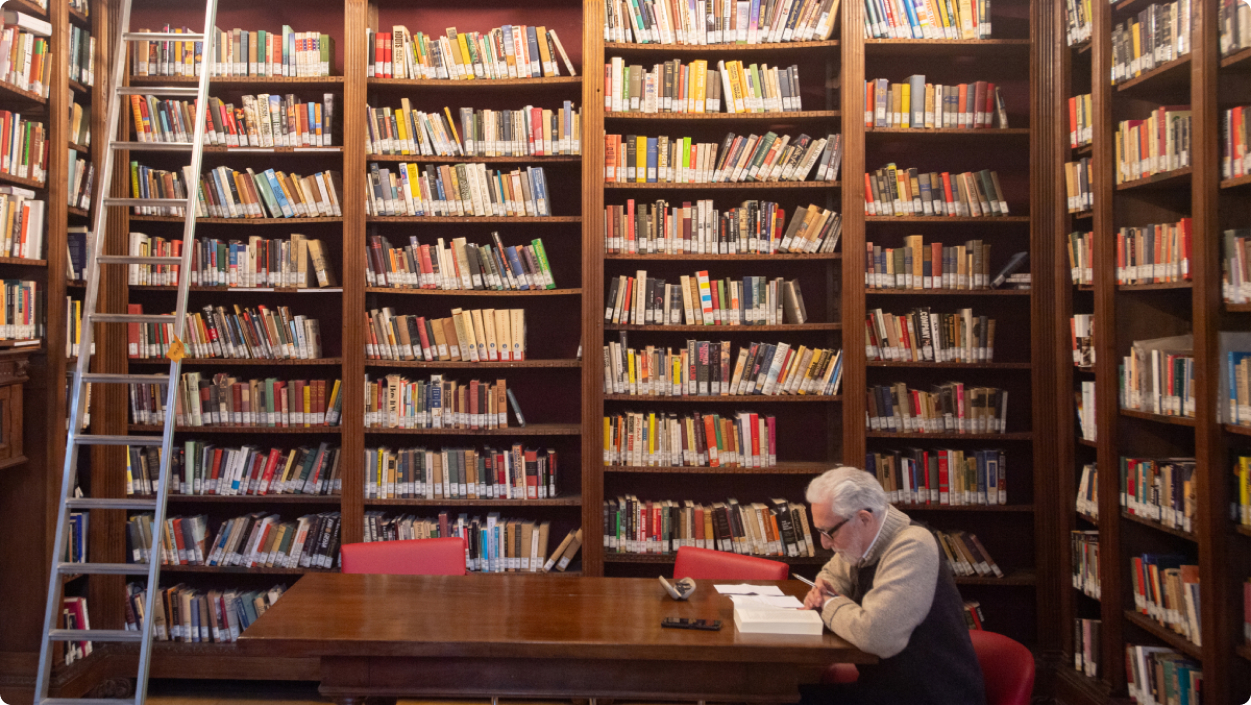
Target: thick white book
[{"x": 777, "y": 621}]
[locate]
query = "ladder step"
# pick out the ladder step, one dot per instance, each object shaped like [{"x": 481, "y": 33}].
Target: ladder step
[
  {"x": 106, "y": 503},
  {"x": 94, "y": 440},
  {"x": 161, "y": 202},
  {"x": 162, "y": 36},
  {"x": 102, "y": 568},
  {"x": 157, "y": 90},
  {"x": 132, "y": 317},
  {"x": 136, "y": 259},
  {"x": 94, "y": 635},
  {"x": 87, "y": 701},
  {"x": 112, "y": 378},
  {"x": 153, "y": 146}
]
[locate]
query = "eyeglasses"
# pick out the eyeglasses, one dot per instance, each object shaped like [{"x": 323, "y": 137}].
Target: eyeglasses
[{"x": 829, "y": 533}]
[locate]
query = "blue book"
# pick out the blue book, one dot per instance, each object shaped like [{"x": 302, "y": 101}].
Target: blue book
[
  {"x": 651, "y": 160},
  {"x": 912, "y": 20},
  {"x": 287, "y": 210},
  {"x": 532, "y": 39},
  {"x": 514, "y": 265}
]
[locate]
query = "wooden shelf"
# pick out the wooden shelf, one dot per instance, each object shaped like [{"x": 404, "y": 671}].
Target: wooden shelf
[
  {"x": 1237, "y": 308},
  {"x": 164, "y": 362},
  {"x": 992, "y": 508},
  {"x": 687, "y": 257},
  {"x": 610, "y": 557},
  {"x": 793, "y": 468},
  {"x": 521, "y": 364},
  {"x": 257, "y": 498},
  {"x": 241, "y": 569},
  {"x": 1083, "y": 150},
  {"x": 949, "y": 131},
  {"x": 1088, "y": 444},
  {"x": 28, "y": 7},
  {"x": 23, "y": 262},
  {"x": 735, "y": 186},
  {"x": 19, "y": 181},
  {"x": 472, "y": 292},
  {"x": 1086, "y": 517},
  {"x": 947, "y": 292},
  {"x": 575, "y": 501},
  {"x": 722, "y": 399},
  {"x": 1082, "y": 215},
  {"x": 511, "y": 83},
  {"x": 1161, "y": 77},
  {"x": 954, "y": 220},
  {"x": 734, "y": 48},
  {"x": 953, "y": 365},
  {"x": 78, "y": 17},
  {"x": 81, "y": 88},
  {"x": 1157, "y": 526},
  {"x": 1236, "y": 429},
  {"x": 240, "y": 289},
  {"x": 1168, "y": 636},
  {"x": 548, "y": 429},
  {"x": 10, "y": 93},
  {"x": 1159, "y": 418},
  {"x": 295, "y": 430},
  {"x": 1166, "y": 179},
  {"x": 1236, "y": 181},
  {"x": 232, "y": 221},
  {"x": 940, "y": 47},
  {"x": 792, "y": 116},
  {"x": 309, "y": 151},
  {"x": 727, "y": 329},
  {"x": 237, "y": 80},
  {"x": 83, "y": 212},
  {"x": 524, "y": 159},
  {"x": 1162, "y": 286},
  {"x": 79, "y": 148},
  {"x": 1243, "y": 530},
  {"x": 1237, "y": 59},
  {"x": 1124, "y": 5},
  {"x": 1017, "y": 436},
  {"x": 465, "y": 219}
]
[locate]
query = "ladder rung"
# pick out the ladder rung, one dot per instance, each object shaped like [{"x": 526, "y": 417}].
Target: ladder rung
[
  {"x": 95, "y": 440},
  {"x": 106, "y": 503},
  {"x": 87, "y": 701},
  {"x": 153, "y": 146},
  {"x": 162, "y": 36},
  {"x": 136, "y": 259},
  {"x": 132, "y": 317},
  {"x": 157, "y": 90},
  {"x": 94, "y": 635},
  {"x": 113, "y": 378},
  {"x": 102, "y": 568},
  {"x": 161, "y": 202}
]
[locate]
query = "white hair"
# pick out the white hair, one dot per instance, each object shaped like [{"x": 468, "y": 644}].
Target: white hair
[{"x": 847, "y": 490}]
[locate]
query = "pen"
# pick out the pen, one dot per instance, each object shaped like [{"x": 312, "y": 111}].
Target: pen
[{"x": 804, "y": 580}]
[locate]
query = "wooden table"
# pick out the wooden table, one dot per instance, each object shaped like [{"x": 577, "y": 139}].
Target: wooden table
[{"x": 533, "y": 636}]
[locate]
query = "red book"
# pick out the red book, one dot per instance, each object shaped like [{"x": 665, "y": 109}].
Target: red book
[
  {"x": 267, "y": 477},
  {"x": 215, "y": 472},
  {"x": 532, "y": 474},
  {"x": 132, "y": 332}
]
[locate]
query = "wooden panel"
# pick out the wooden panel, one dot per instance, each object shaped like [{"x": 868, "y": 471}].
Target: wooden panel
[{"x": 592, "y": 288}]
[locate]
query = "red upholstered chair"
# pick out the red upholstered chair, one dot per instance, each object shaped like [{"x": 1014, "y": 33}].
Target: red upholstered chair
[
  {"x": 1007, "y": 668},
  {"x": 416, "y": 557},
  {"x": 705, "y": 564}
]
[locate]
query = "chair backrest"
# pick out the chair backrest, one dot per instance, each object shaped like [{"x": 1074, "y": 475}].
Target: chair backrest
[
  {"x": 705, "y": 564},
  {"x": 416, "y": 557},
  {"x": 1007, "y": 668}
]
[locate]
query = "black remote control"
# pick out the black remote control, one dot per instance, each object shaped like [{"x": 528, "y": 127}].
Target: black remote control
[{"x": 683, "y": 623}]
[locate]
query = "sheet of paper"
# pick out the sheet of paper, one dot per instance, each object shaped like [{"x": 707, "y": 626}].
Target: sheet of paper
[
  {"x": 749, "y": 590},
  {"x": 766, "y": 601}
]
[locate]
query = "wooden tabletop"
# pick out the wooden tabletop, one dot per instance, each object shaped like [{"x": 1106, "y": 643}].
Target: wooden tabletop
[{"x": 333, "y": 614}]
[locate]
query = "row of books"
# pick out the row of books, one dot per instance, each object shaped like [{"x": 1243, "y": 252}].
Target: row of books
[
  {"x": 21, "y": 310},
  {"x": 24, "y": 53},
  {"x": 82, "y": 55},
  {"x": 493, "y": 544},
  {"x": 225, "y": 400},
  {"x": 76, "y": 538},
  {"x": 1157, "y": 376},
  {"x": 236, "y": 52},
  {"x": 23, "y": 147},
  {"x": 510, "y": 51},
  {"x": 207, "y": 469},
  {"x": 917, "y": 265},
  {"x": 698, "y": 300},
  {"x": 74, "y": 327},
  {"x": 459, "y": 265},
  {"x": 1079, "y": 21},
  {"x": 1088, "y": 491},
  {"x": 1154, "y": 36},
  {"x": 227, "y": 193},
  {"x": 966, "y": 555},
  {"x": 1234, "y": 24},
  {"x": 262, "y": 120},
  {"x": 1087, "y": 646},
  {"x": 776, "y": 528},
  {"x": 1154, "y": 254},
  {"x": 74, "y": 616},
  {"x": 702, "y": 368},
  {"x": 395, "y": 401},
  {"x": 973, "y": 617},
  {"x": 251, "y": 333},
  {"x": 1081, "y": 120},
  {"x": 892, "y": 191},
  {"x": 1153, "y": 672},
  {"x": 672, "y": 87},
  {"x": 1078, "y": 186},
  {"x": 515, "y": 472},
  {"x": 916, "y": 104},
  {"x": 22, "y": 223},
  {"x": 186, "y": 614},
  {"x": 1082, "y": 335},
  {"x": 1081, "y": 249},
  {"x": 726, "y": 22},
  {"x": 528, "y": 131},
  {"x": 476, "y": 335},
  {"x": 257, "y": 540},
  {"x": 1160, "y": 490},
  {"x": 738, "y": 159},
  {"x": 1086, "y": 419},
  {"x": 1166, "y": 589},
  {"x": 1236, "y": 266},
  {"x": 659, "y": 439},
  {"x": 950, "y": 407},
  {"x": 80, "y": 124},
  {"x": 1084, "y": 552},
  {"x": 927, "y": 19},
  {"x": 1240, "y": 503},
  {"x": 78, "y": 242},
  {"x": 1155, "y": 145},
  {"x": 941, "y": 476},
  {"x": 82, "y": 176},
  {"x": 457, "y": 190},
  {"x": 922, "y": 335},
  {"x": 299, "y": 262},
  {"x": 755, "y": 227}
]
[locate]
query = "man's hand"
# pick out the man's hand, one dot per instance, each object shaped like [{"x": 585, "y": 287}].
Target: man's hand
[{"x": 817, "y": 596}]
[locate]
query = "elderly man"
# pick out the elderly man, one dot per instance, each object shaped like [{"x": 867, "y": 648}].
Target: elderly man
[{"x": 888, "y": 591}]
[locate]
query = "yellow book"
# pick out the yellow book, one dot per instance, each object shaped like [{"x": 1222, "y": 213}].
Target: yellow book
[
  {"x": 942, "y": 14},
  {"x": 737, "y": 83},
  {"x": 455, "y": 135},
  {"x": 905, "y": 104},
  {"x": 467, "y": 61},
  {"x": 700, "y": 69},
  {"x": 630, "y": 379},
  {"x": 414, "y": 182},
  {"x": 549, "y": 67},
  {"x": 966, "y": 20},
  {"x": 1244, "y": 490},
  {"x": 640, "y": 159},
  {"x": 1136, "y": 33},
  {"x": 607, "y": 445},
  {"x": 401, "y": 128}
]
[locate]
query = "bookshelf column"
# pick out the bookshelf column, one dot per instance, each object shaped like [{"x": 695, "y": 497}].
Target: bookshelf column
[
  {"x": 592, "y": 288},
  {"x": 359, "y": 14}
]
